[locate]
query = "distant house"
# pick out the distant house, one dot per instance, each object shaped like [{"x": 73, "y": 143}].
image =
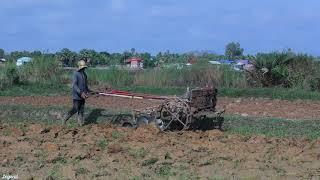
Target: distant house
[
  {"x": 214, "y": 62},
  {"x": 135, "y": 63},
  {"x": 226, "y": 62},
  {"x": 238, "y": 65},
  {"x": 192, "y": 60},
  {"x": 23, "y": 60}
]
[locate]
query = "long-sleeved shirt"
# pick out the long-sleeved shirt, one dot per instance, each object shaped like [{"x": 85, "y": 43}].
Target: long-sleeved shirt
[{"x": 79, "y": 85}]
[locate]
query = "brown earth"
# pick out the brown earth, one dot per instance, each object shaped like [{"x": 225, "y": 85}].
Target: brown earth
[
  {"x": 256, "y": 107},
  {"x": 105, "y": 152}
]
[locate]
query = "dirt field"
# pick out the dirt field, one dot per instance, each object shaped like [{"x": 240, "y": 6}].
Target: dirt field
[
  {"x": 100, "y": 151},
  {"x": 104, "y": 152},
  {"x": 256, "y": 107}
]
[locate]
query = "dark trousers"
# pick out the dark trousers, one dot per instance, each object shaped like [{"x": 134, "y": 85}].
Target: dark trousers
[{"x": 78, "y": 107}]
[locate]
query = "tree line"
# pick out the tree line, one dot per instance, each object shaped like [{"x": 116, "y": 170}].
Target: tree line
[{"x": 67, "y": 57}]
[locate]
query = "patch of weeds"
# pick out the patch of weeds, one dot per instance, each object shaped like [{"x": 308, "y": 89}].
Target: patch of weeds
[
  {"x": 236, "y": 163},
  {"x": 138, "y": 153},
  {"x": 150, "y": 161},
  {"x": 146, "y": 175},
  {"x": 165, "y": 170},
  {"x": 41, "y": 155},
  {"x": 72, "y": 125},
  {"x": 22, "y": 127},
  {"x": 280, "y": 171},
  {"x": 116, "y": 135},
  {"x": 102, "y": 166},
  {"x": 18, "y": 161},
  {"x": 6, "y": 132},
  {"x": 187, "y": 176},
  {"x": 182, "y": 167},
  {"x": 55, "y": 173},
  {"x": 135, "y": 178},
  {"x": 75, "y": 160},
  {"x": 60, "y": 159},
  {"x": 102, "y": 143},
  {"x": 102, "y": 174},
  {"x": 81, "y": 171}
]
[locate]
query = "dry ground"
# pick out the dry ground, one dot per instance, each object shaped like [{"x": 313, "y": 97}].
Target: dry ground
[
  {"x": 100, "y": 151},
  {"x": 105, "y": 152}
]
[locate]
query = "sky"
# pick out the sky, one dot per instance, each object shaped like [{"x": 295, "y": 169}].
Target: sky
[{"x": 160, "y": 25}]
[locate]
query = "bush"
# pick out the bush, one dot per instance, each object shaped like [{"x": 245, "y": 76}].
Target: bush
[
  {"x": 196, "y": 75},
  {"x": 42, "y": 69},
  {"x": 284, "y": 69},
  {"x": 8, "y": 76}
]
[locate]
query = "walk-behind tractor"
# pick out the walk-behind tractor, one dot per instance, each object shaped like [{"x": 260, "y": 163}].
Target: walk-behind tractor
[{"x": 196, "y": 110}]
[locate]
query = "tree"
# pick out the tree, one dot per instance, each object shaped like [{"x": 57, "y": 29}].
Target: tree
[
  {"x": 18, "y": 54},
  {"x": 1, "y": 53},
  {"x": 125, "y": 55},
  {"x": 116, "y": 58},
  {"x": 90, "y": 56},
  {"x": 36, "y": 53},
  {"x": 66, "y": 57},
  {"x": 148, "y": 61},
  {"x": 233, "y": 50},
  {"x": 133, "y": 51},
  {"x": 104, "y": 58}
]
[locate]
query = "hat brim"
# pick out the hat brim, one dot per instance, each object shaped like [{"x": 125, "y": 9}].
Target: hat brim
[{"x": 81, "y": 67}]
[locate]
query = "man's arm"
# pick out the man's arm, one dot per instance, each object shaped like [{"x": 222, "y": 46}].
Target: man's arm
[
  {"x": 87, "y": 88},
  {"x": 75, "y": 83}
]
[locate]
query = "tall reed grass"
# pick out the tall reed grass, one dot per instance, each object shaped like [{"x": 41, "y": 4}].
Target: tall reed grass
[
  {"x": 42, "y": 70},
  {"x": 199, "y": 75}
]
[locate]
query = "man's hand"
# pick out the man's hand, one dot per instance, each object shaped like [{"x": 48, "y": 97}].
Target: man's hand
[{"x": 84, "y": 95}]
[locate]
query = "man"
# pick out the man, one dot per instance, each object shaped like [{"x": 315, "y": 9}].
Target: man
[{"x": 80, "y": 92}]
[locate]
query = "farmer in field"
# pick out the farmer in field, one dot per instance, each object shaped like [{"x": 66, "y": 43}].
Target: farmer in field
[{"x": 80, "y": 92}]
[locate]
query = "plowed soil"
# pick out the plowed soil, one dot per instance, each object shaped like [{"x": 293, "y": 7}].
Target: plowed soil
[
  {"x": 256, "y": 107},
  {"x": 106, "y": 152}
]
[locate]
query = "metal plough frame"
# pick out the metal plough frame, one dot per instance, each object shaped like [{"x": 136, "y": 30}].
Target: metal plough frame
[{"x": 179, "y": 111}]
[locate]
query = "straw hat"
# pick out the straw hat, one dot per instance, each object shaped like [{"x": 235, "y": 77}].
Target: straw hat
[{"x": 81, "y": 65}]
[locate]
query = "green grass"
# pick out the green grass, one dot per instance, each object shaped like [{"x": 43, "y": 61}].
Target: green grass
[
  {"x": 165, "y": 171},
  {"x": 156, "y": 90},
  {"x": 138, "y": 153},
  {"x": 273, "y": 93},
  {"x": 116, "y": 135},
  {"x": 102, "y": 143},
  {"x": 272, "y": 127},
  {"x": 36, "y": 89},
  {"x": 150, "y": 161}
]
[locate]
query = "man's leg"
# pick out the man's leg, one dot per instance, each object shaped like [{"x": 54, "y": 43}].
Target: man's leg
[
  {"x": 81, "y": 112},
  {"x": 71, "y": 112}
]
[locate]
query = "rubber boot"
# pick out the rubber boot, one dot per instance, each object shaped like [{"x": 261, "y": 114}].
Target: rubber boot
[
  {"x": 80, "y": 119},
  {"x": 65, "y": 119}
]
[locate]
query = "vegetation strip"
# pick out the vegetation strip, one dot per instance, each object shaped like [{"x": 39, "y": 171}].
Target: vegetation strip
[{"x": 273, "y": 127}]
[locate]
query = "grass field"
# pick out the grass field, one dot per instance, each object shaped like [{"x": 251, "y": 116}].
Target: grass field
[{"x": 37, "y": 89}]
